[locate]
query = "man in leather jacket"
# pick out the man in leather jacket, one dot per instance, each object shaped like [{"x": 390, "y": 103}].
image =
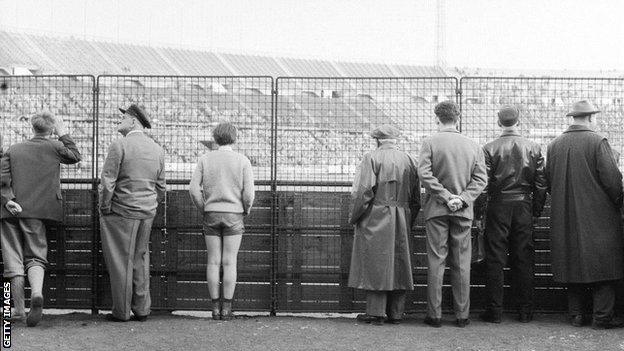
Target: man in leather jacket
[{"x": 516, "y": 192}]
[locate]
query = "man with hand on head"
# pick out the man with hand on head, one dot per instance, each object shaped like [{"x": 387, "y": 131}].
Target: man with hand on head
[
  {"x": 30, "y": 188},
  {"x": 132, "y": 186},
  {"x": 516, "y": 194},
  {"x": 451, "y": 168}
]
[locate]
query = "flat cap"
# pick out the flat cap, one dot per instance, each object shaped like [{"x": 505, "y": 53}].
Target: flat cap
[
  {"x": 386, "y": 131},
  {"x": 139, "y": 113}
]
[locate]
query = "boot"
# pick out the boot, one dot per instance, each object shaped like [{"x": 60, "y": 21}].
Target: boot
[
  {"x": 216, "y": 309},
  {"x": 226, "y": 310}
]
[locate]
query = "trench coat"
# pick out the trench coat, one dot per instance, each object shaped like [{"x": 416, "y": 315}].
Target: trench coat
[
  {"x": 586, "y": 193},
  {"x": 386, "y": 201}
]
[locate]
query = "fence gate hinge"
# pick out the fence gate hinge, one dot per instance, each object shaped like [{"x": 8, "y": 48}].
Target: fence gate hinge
[{"x": 458, "y": 91}]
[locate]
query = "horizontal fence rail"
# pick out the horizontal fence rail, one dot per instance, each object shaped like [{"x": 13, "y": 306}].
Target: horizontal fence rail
[{"x": 304, "y": 137}]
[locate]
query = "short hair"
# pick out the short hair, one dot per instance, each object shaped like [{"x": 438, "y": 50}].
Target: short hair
[
  {"x": 43, "y": 123},
  {"x": 224, "y": 133},
  {"x": 447, "y": 112}
]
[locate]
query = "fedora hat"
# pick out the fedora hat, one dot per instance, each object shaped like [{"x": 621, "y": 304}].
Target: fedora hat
[
  {"x": 582, "y": 108},
  {"x": 386, "y": 131},
  {"x": 136, "y": 111}
]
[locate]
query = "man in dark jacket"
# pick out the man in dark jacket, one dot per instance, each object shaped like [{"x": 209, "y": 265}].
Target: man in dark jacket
[
  {"x": 516, "y": 192},
  {"x": 451, "y": 168},
  {"x": 31, "y": 194},
  {"x": 587, "y": 247},
  {"x": 386, "y": 196}
]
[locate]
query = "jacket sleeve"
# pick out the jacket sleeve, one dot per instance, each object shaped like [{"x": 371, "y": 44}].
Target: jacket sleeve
[
  {"x": 363, "y": 191},
  {"x": 478, "y": 179},
  {"x": 6, "y": 183},
  {"x": 195, "y": 187},
  {"x": 161, "y": 183},
  {"x": 248, "y": 187},
  {"x": 110, "y": 172},
  {"x": 540, "y": 185},
  {"x": 480, "y": 204},
  {"x": 608, "y": 173},
  {"x": 68, "y": 152},
  {"x": 425, "y": 174}
]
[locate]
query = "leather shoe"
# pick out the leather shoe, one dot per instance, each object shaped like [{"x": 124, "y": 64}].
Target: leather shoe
[
  {"x": 394, "y": 320},
  {"x": 138, "y": 318},
  {"x": 111, "y": 318},
  {"x": 490, "y": 316},
  {"x": 525, "y": 317},
  {"x": 36, "y": 311},
  {"x": 462, "y": 322},
  {"x": 367, "y": 318},
  {"x": 612, "y": 323},
  {"x": 577, "y": 320},
  {"x": 434, "y": 322}
]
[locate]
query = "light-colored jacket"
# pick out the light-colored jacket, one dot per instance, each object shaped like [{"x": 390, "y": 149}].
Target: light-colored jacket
[
  {"x": 223, "y": 182},
  {"x": 451, "y": 164},
  {"x": 386, "y": 200},
  {"x": 133, "y": 177}
]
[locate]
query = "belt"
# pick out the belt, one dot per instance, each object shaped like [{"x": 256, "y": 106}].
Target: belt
[
  {"x": 392, "y": 203},
  {"x": 510, "y": 197}
]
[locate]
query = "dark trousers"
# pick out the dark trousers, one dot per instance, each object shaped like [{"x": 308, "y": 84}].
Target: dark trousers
[
  {"x": 509, "y": 230},
  {"x": 391, "y": 303},
  {"x": 580, "y": 297}
]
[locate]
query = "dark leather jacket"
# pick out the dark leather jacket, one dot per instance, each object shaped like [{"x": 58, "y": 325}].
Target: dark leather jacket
[{"x": 515, "y": 168}]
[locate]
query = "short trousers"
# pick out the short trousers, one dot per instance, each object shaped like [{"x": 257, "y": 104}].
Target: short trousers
[
  {"x": 24, "y": 245},
  {"x": 223, "y": 223}
]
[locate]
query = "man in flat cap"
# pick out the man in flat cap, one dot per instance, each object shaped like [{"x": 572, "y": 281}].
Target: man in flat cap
[
  {"x": 386, "y": 201},
  {"x": 31, "y": 195},
  {"x": 516, "y": 193},
  {"x": 587, "y": 247},
  {"x": 132, "y": 186},
  {"x": 451, "y": 168}
]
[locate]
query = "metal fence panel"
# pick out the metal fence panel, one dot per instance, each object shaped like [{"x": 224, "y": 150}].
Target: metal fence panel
[
  {"x": 184, "y": 110},
  {"x": 543, "y": 104},
  {"x": 69, "y": 278},
  {"x": 322, "y": 132}
]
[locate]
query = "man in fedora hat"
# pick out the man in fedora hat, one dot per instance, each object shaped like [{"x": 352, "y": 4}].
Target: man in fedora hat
[
  {"x": 451, "y": 168},
  {"x": 132, "y": 185},
  {"x": 586, "y": 241},
  {"x": 386, "y": 201},
  {"x": 516, "y": 193}
]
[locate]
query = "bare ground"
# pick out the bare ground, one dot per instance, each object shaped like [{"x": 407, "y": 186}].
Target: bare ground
[{"x": 82, "y": 331}]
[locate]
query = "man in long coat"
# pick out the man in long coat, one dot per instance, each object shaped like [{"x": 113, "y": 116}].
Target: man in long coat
[
  {"x": 587, "y": 248},
  {"x": 452, "y": 170},
  {"x": 386, "y": 196},
  {"x": 31, "y": 194},
  {"x": 133, "y": 183}
]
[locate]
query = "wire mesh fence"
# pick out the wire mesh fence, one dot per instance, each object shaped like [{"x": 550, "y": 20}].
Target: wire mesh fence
[
  {"x": 323, "y": 129},
  {"x": 183, "y": 112},
  {"x": 543, "y": 104},
  {"x": 305, "y": 139},
  {"x": 70, "y": 244}
]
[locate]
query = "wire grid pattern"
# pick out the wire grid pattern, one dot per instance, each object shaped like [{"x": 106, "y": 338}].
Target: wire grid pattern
[
  {"x": 323, "y": 129},
  {"x": 543, "y": 104},
  {"x": 183, "y": 113},
  {"x": 69, "y": 281}
]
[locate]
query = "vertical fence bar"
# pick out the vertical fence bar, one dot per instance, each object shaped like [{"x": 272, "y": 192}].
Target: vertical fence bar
[{"x": 95, "y": 227}]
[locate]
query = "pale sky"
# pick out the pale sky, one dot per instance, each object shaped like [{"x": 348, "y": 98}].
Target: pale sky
[{"x": 518, "y": 34}]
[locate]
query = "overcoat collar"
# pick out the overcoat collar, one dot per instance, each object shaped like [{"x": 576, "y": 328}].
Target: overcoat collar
[
  {"x": 510, "y": 133},
  {"x": 449, "y": 129},
  {"x": 578, "y": 128}
]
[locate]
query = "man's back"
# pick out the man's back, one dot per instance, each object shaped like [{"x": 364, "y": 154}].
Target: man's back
[
  {"x": 136, "y": 165},
  {"x": 450, "y": 164},
  {"x": 33, "y": 175}
]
